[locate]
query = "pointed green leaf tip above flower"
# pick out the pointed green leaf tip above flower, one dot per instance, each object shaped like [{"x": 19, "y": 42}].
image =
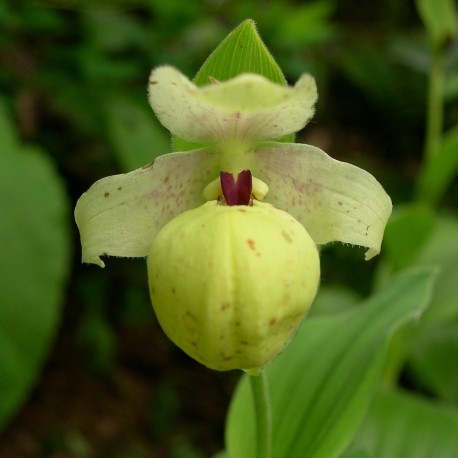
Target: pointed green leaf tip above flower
[{"x": 233, "y": 121}]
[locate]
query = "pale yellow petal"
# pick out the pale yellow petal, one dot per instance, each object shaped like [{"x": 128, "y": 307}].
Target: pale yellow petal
[
  {"x": 247, "y": 108},
  {"x": 335, "y": 201},
  {"x": 121, "y": 214}
]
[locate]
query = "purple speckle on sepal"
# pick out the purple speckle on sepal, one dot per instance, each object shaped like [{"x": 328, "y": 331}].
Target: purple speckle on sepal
[{"x": 236, "y": 192}]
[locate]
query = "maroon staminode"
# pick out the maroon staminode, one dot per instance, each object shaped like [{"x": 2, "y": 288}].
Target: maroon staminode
[{"x": 236, "y": 192}]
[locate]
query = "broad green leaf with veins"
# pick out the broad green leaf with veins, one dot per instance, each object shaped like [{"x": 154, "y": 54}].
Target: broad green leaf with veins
[{"x": 322, "y": 384}]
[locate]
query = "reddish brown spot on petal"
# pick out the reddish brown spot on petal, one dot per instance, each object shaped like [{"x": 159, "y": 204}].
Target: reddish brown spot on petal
[
  {"x": 191, "y": 315},
  {"x": 251, "y": 244},
  {"x": 287, "y": 236},
  {"x": 272, "y": 321},
  {"x": 225, "y": 306},
  {"x": 106, "y": 194}
]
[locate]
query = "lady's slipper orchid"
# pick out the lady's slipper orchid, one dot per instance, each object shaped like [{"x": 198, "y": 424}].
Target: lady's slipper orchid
[{"x": 232, "y": 278}]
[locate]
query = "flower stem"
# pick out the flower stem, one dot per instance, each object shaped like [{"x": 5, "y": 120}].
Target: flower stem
[{"x": 263, "y": 418}]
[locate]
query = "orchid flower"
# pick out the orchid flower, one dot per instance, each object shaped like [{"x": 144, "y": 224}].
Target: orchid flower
[{"x": 185, "y": 211}]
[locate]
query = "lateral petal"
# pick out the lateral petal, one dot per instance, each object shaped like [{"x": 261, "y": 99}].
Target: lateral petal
[
  {"x": 248, "y": 107},
  {"x": 335, "y": 201},
  {"x": 121, "y": 214}
]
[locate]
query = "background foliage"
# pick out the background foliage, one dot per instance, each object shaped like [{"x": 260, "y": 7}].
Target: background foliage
[{"x": 84, "y": 369}]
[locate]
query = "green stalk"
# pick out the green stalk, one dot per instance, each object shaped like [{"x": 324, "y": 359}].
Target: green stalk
[
  {"x": 263, "y": 418},
  {"x": 435, "y": 109}
]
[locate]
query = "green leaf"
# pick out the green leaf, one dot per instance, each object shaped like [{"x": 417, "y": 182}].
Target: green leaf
[
  {"x": 136, "y": 136},
  {"x": 300, "y": 26},
  {"x": 242, "y": 51},
  {"x": 97, "y": 339},
  {"x": 451, "y": 85},
  {"x": 355, "y": 454},
  {"x": 441, "y": 249},
  {"x": 321, "y": 385},
  {"x": 33, "y": 264},
  {"x": 399, "y": 349},
  {"x": 434, "y": 361},
  {"x": 440, "y": 170},
  {"x": 333, "y": 299},
  {"x": 221, "y": 454},
  {"x": 400, "y": 425},
  {"x": 389, "y": 88},
  {"x": 405, "y": 233},
  {"x": 99, "y": 24},
  {"x": 440, "y": 19}
]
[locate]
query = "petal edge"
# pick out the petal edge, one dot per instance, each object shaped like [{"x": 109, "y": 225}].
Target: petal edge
[
  {"x": 335, "y": 201},
  {"x": 121, "y": 214},
  {"x": 248, "y": 107}
]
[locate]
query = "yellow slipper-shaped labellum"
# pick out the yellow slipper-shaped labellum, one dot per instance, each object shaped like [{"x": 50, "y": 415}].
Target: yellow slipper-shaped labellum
[{"x": 230, "y": 285}]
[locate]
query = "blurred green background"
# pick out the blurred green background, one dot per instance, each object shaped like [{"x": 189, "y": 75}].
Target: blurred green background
[{"x": 85, "y": 370}]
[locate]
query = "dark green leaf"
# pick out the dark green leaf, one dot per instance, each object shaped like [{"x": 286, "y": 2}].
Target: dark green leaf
[
  {"x": 434, "y": 361},
  {"x": 440, "y": 170},
  {"x": 440, "y": 19},
  {"x": 136, "y": 135},
  {"x": 302, "y": 25},
  {"x": 406, "y": 231},
  {"x": 441, "y": 249},
  {"x": 33, "y": 264}
]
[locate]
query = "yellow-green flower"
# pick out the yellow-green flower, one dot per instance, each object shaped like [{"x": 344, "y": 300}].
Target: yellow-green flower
[{"x": 230, "y": 229}]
